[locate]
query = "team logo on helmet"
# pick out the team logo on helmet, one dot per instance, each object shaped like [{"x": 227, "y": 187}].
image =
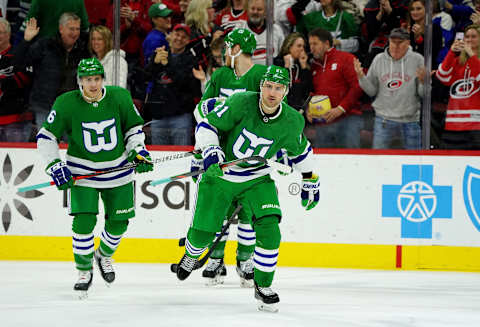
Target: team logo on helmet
[
  {"x": 89, "y": 67},
  {"x": 244, "y": 38},
  {"x": 277, "y": 74}
]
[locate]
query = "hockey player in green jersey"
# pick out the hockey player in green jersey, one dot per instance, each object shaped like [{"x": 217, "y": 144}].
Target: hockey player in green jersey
[
  {"x": 249, "y": 123},
  {"x": 240, "y": 74},
  {"x": 104, "y": 130}
]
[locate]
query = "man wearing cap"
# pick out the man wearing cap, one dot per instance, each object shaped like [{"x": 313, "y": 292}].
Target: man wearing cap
[
  {"x": 395, "y": 78},
  {"x": 161, "y": 22},
  {"x": 172, "y": 90}
]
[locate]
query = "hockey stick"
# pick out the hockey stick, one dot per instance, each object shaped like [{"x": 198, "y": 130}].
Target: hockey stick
[
  {"x": 108, "y": 171},
  {"x": 268, "y": 162},
  {"x": 200, "y": 263}
]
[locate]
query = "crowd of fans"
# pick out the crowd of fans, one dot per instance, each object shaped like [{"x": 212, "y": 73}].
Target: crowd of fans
[{"x": 366, "y": 57}]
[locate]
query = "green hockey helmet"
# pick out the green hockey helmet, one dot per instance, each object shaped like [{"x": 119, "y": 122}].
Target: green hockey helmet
[
  {"x": 277, "y": 74},
  {"x": 89, "y": 67},
  {"x": 244, "y": 38}
]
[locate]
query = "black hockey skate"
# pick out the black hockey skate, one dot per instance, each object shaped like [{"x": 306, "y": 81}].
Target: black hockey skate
[
  {"x": 267, "y": 299},
  {"x": 83, "y": 284},
  {"x": 245, "y": 271},
  {"x": 215, "y": 272},
  {"x": 185, "y": 267},
  {"x": 105, "y": 266}
]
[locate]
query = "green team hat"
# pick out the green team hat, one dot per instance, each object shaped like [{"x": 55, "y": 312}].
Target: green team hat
[
  {"x": 89, "y": 67},
  {"x": 244, "y": 38},
  {"x": 277, "y": 74},
  {"x": 158, "y": 10}
]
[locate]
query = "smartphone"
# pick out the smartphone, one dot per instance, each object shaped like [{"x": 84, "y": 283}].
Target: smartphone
[{"x": 459, "y": 36}]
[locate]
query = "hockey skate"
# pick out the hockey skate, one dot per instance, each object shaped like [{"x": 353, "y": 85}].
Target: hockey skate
[
  {"x": 215, "y": 272},
  {"x": 245, "y": 271},
  {"x": 185, "y": 267},
  {"x": 266, "y": 298},
  {"x": 105, "y": 266},
  {"x": 83, "y": 283}
]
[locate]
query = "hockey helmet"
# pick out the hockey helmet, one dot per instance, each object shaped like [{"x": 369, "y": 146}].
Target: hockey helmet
[
  {"x": 277, "y": 74},
  {"x": 244, "y": 38},
  {"x": 89, "y": 67}
]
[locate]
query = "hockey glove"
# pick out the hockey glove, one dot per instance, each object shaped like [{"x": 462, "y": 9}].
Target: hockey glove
[
  {"x": 142, "y": 158},
  {"x": 196, "y": 164},
  {"x": 61, "y": 175},
  {"x": 310, "y": 192},
  {"x": 213, "y": 156}
]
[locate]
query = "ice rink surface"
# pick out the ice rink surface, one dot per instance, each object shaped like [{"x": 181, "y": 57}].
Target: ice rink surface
[{"x": 38, "y": 294}]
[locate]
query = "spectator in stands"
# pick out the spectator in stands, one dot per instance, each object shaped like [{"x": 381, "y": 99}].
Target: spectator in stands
[
  {"x": 337, "y": 21},
  {"x": 257, "y": 25},
  {"x": 15, "y": 122},
  {"x": 334, "y": 76},
  {"x": 174, "y": 91},
  {"x": 54, "y": 61},
  {"x": 101, "y": 46},
  {"x": 199, "y": 17},
  {"x": 293, "y": 57},
  {"x": 48, "y": 12},
  {"x": 215, "y": 60},
  {"x": 447, "y": 26},
  {"x": 461, "y": 11},
  {"x": 381, "y": 16},
  {"x": 459, "y": 70},
  {"x": 98, "y": 11},
  {"x": 233, "y": 15},
  {"x": 161, "y": 22},
  {"x": 179, "y": 17},
  {"x": 416, "y": 27},
  {"x": 395, "y": 79},
  {"x": 134, "y": 27}
]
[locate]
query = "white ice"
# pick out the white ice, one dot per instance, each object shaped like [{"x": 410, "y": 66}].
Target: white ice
[{"x": 41, "y": 294}]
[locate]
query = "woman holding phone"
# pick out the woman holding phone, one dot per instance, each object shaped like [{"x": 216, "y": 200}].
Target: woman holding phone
[{"x": 459, "y": 71}]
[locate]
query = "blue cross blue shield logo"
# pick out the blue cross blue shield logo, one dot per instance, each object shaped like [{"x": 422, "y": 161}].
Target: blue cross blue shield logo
[
  {"x": 416, "y": 201},
  {"x": 471, "y": 194}
]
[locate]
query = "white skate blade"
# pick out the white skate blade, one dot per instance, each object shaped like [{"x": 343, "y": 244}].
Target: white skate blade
[
  {"x": 217, "y": 280},
  {"x": 267, "y": 307},
  {"x": 246, "y": 283},
  {"x": 81, "y": 295}
]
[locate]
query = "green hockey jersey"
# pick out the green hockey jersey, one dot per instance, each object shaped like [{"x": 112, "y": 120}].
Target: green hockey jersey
[
  {"x": 245, "y": 131},
  {"x": 100, "y": 134}
]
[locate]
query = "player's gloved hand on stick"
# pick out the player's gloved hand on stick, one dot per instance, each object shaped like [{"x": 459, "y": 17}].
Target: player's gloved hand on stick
[
  {"x": 310, "y": 192},
  {"x": 142, "y": 158},
  {"x": 61, "y": 175},
  {"x": 213, "y": 156},
  {"x": 196, "y": 164}
]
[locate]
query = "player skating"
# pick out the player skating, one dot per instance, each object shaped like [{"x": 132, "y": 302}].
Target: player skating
[
  {"x": 249, "y": 123},
  {"x": 104, "y": 131},
  {"x": 238, "y": 75}
]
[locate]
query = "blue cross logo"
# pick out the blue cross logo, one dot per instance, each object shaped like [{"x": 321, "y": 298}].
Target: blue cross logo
[{"x": 416, "y": 201}]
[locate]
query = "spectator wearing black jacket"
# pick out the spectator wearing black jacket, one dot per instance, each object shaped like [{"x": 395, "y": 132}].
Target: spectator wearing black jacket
[
  {"x": 54, "y": 61},
  {"x": 172, "y": 91},
  {"x": 293, "y": 57},
  {"x": 15, "y": 123}
]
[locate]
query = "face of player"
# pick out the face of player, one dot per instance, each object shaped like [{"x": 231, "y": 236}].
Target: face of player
[
  {"x": 256, "y": 11},
  {"x": 472, "y": 39},
  {"x": 92, "y": 86},
  {"x": 398, "y": 48},
  {"x": 98, "y": 44},
  {"x": 70, "y": 33},
  {"x": 297, "y": 48},
  {"x": 272, "y": 94},
  {"x": 318, "y": 47},
  {"x": 228, "y": 53}
]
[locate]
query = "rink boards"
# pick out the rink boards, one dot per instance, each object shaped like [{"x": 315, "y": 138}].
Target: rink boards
[{"x": 383, "y": 210}]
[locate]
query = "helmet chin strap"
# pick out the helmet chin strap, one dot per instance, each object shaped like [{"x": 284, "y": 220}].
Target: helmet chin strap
[{"x": 232, "y": 61}]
